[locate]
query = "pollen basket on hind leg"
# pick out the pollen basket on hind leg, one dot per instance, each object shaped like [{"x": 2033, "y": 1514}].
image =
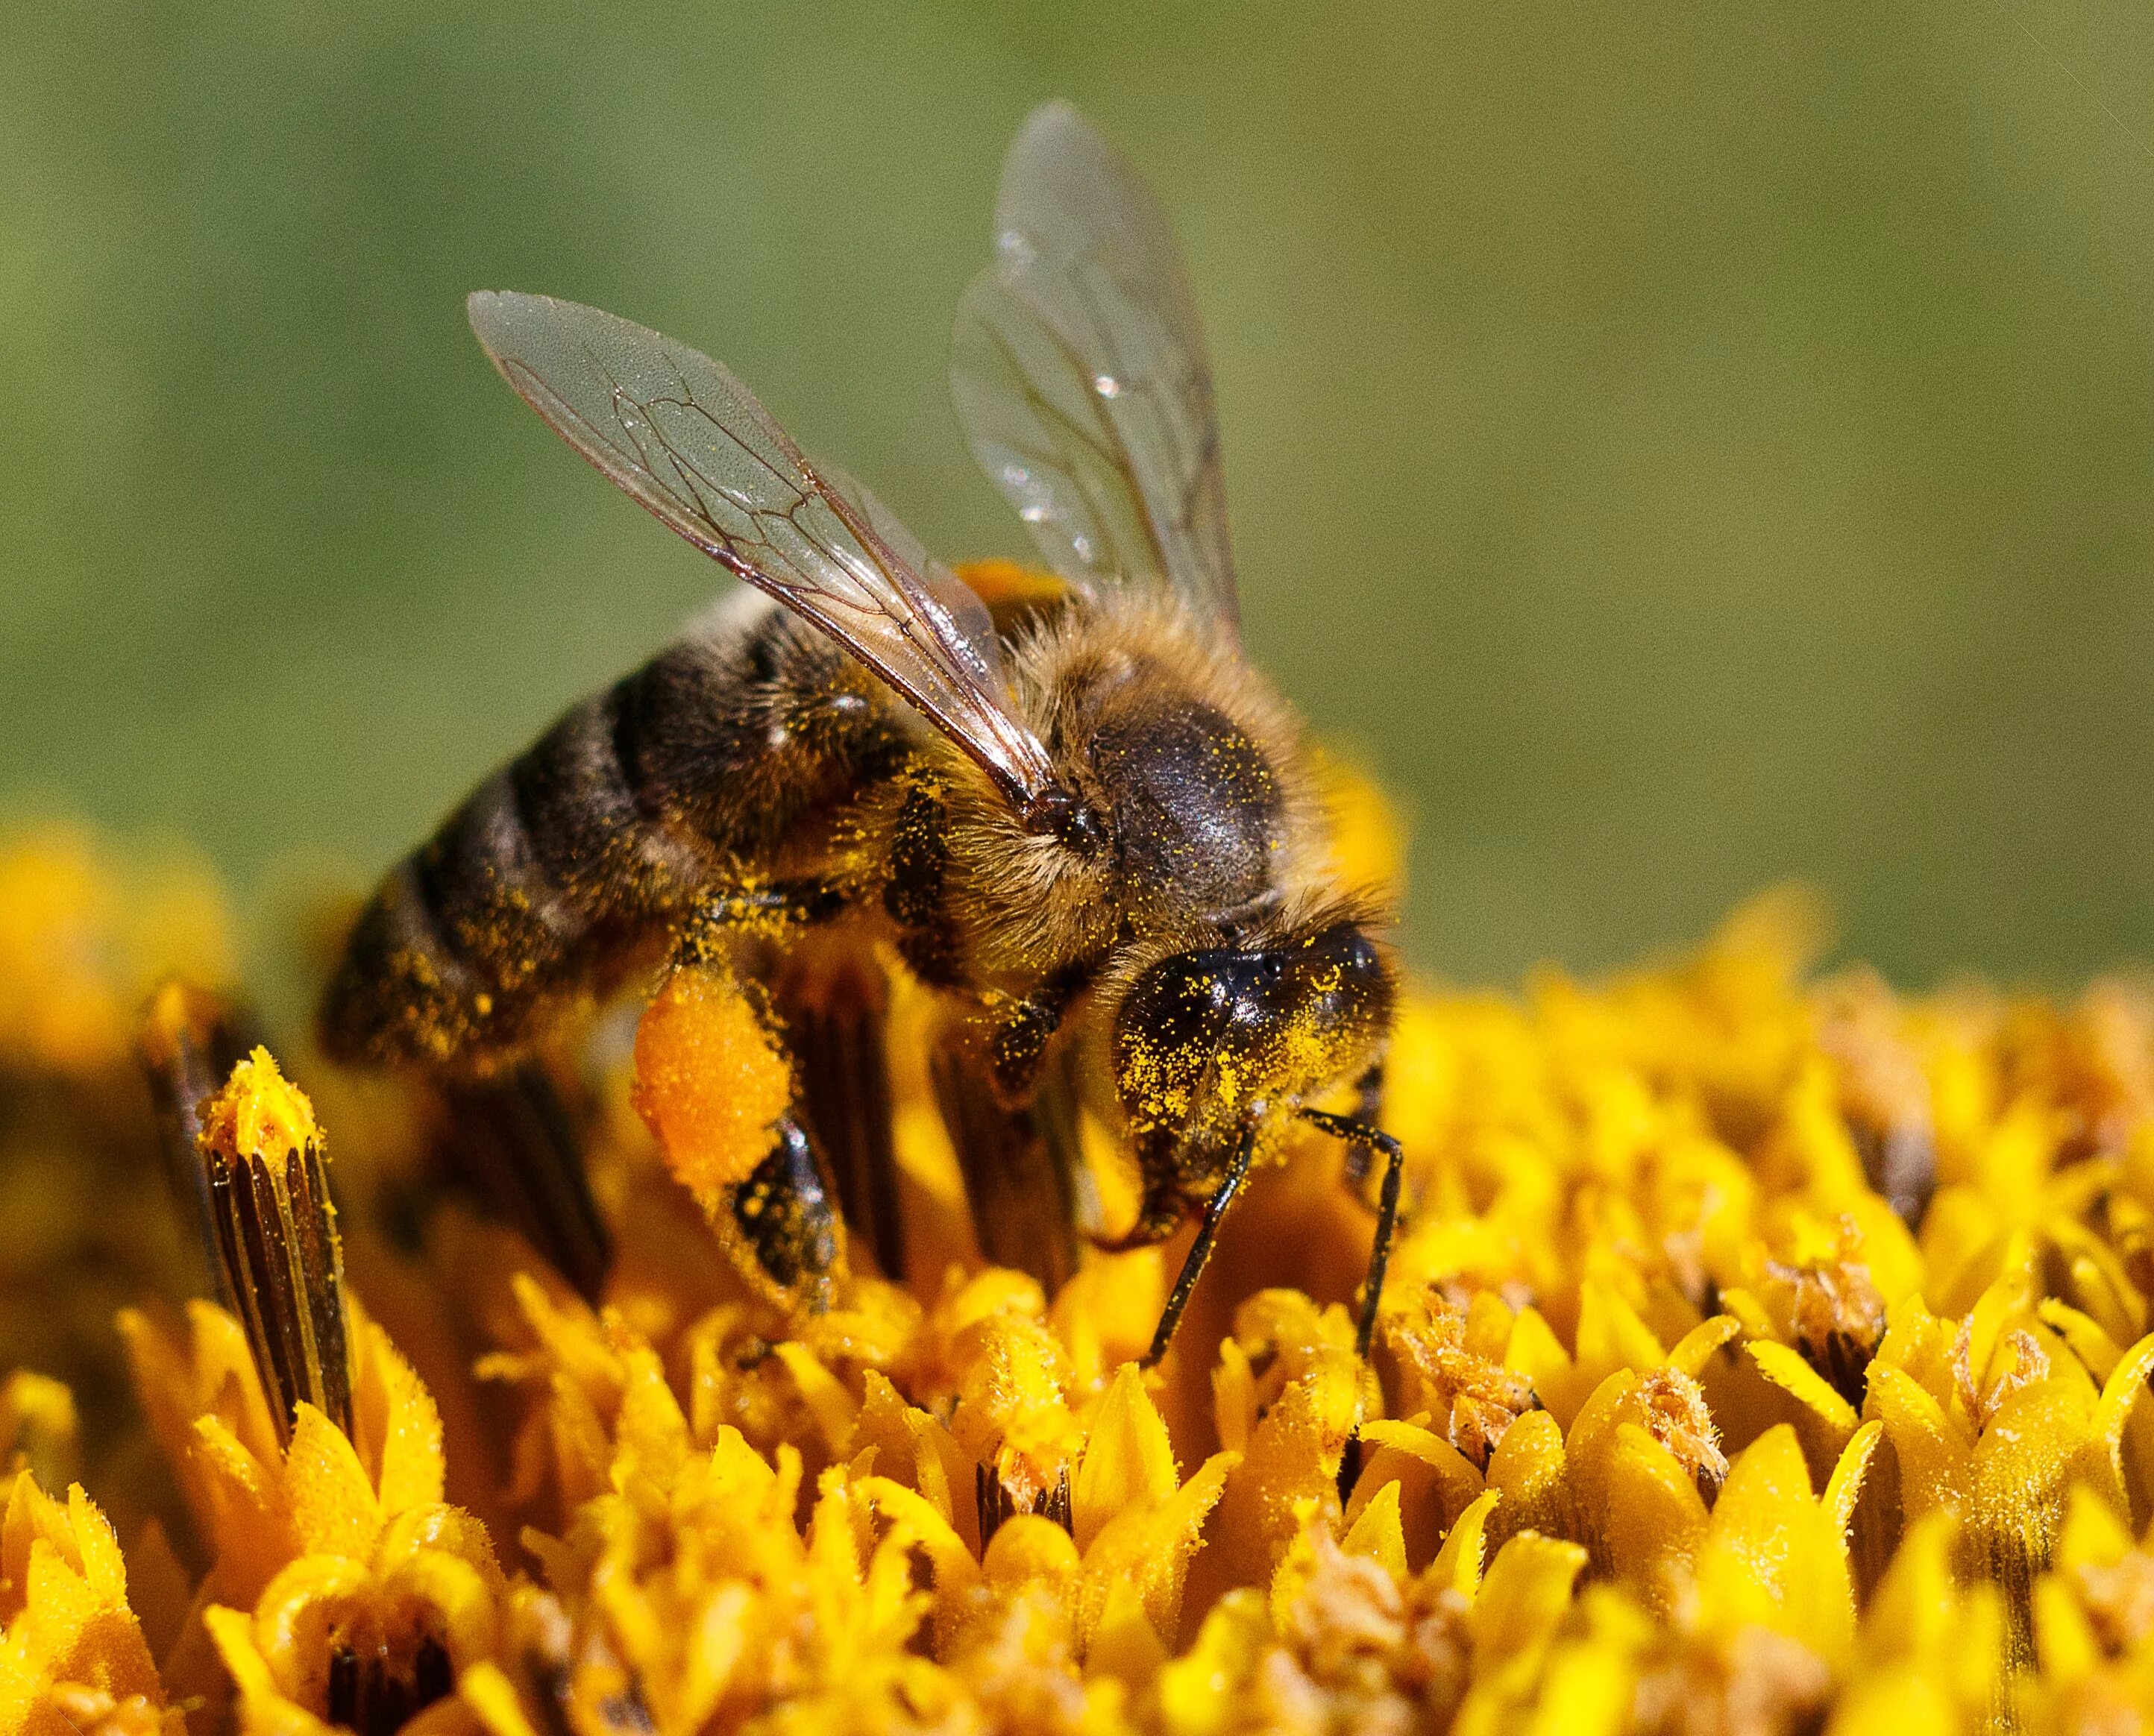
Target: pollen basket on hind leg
[{"x": 710, "y": 1081}]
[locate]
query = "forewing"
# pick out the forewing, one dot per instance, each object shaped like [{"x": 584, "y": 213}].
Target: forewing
[
  {"x": 968, "y": 616},
  {"x": 679, "y": 433},
  {"x": 1079, "y": 370}
]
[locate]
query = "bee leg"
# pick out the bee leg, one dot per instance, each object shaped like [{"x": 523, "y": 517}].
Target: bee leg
[
  {"x": 728, "y": 915},
  {"x": 782, "y": 1217},
  {"x": 780, "y": 1223},
  {"x": 1200, "y": 1250},
  {"x": 1368, "y": 1106},
  {"x": 513, "y": 1143},
  {"x": 1360, "y": 1135},
  {"x": 1368, "y": 1093},
  {"x": 834, "y": 1008},
  {"x": 1023, "y": 1168}
]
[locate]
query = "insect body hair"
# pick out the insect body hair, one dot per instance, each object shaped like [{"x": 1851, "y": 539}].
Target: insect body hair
[{"x": 1195, "y": 766}]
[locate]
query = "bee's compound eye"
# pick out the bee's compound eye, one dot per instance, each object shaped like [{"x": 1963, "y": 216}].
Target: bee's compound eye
[
  {"x": 1283, "y": 1020},
  {"x": 1344, "y": 978},
  {"x": 1171, "y": 1022}
]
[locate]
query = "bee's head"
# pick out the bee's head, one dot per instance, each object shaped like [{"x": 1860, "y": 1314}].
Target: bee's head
[{"x": 1207, "y": 1041}]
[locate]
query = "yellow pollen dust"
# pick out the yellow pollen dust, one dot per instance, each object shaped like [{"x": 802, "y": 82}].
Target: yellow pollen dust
[{"x": 259, "y": 1114}]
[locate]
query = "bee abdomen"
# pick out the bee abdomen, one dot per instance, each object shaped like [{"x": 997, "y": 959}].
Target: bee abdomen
[
  {"x": 549, "y": 881},
  {"x": 530, "y": 893}
]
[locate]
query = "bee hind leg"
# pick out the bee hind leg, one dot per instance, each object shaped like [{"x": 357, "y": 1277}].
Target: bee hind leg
[
  {"x": 768, "y": 1189},
  {"x": 782, "y": 1219}
]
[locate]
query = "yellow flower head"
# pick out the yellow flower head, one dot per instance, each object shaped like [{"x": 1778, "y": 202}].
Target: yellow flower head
[{"x": 1759, "y": 1353}]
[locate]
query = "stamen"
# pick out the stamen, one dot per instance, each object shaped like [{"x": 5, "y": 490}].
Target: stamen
[
  {"x": 514, "y": 1143},
  {"x": 268, "y": 1193},
  {"x": 189, "y": 1040}
]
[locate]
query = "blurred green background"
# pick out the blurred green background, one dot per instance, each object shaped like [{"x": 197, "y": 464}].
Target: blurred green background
[{"x": 1686, "y": 446}]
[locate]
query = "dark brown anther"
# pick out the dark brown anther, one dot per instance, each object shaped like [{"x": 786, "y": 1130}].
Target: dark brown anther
[
  {"x": 1837, "y": 1317},
  {"x": 833, "y": 1007},
  {"x": 991, "y": 1501},
  {"x": 373, "y": 1693},
  {"x": 268, "y": 1189},
  {"x": 994, "y": 1503},
  {"x": 1057, "y": 1503},
  {"x": 512, "y": 1141},
  {"x": 1023, "y": 1168},
  {"x": 1350, "y": 1468},
  {"x": 1899, "y": 1161},
  {"x": 190, "y": 1039}
]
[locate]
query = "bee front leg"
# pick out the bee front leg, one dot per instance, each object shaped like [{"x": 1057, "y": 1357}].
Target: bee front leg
[
  {"x": 1024, "y": 1166},
  {"x": 1009, "y": 1103},
  {"x": 1360, "y": 1138},
  {"x": 1200, "y": 1250},
  {"x": 832, "y": 1002}
]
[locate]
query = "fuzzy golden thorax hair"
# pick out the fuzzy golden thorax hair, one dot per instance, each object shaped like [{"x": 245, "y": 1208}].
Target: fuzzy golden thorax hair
[{"x": 1191, "y": 764}]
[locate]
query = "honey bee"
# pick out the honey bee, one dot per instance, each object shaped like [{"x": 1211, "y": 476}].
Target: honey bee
[{"x": 1090, "y": 828}]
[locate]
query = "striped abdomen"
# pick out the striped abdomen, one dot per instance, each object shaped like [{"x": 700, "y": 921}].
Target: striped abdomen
[{"x": 562, "y": 867}]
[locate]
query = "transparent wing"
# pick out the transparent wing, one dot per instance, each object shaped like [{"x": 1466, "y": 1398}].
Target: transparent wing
[
  {"x": 679, "y": 433},
  {"x": 968, "y": 615},
  {"x": 1079, "y": 370}
]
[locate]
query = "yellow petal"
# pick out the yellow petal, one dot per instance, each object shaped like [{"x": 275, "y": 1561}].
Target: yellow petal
[
  {"x": 2065, "y": 1644},
  {"x": 1457, "y": 1484},
  {"x": 1936, "y": 1465},
  {"x": 1848, "y": 1475},
  {"x": 1610, "y": 1336},
  {"x": 1772, "y": 1556},
  {"x": 1530, "y": 1469},
  {"x": 1525, "y": 1594},
  {"x": 1458, "y": 1564},
  {"x": 1697, "y": 1347},
  {"x": 1785, "y": 1369},
  {"x": 290, "y": 1618},
  {"x": 493, "y": 1696},
  {"x": 1379, "y": 1533},
  {"x": 408, "y": 1443},
  {"x": 1198, "y": 1692},
  {"x": 1128, "y": 1459},
  {"x": 247, "y": 1514},
  {"x": 333, "y": 1508},
  {"x": 2119, "y": 1396},
  {"x": 1539, "y": 1355},
  {"x": 232, "y": 1633},
  {"x": 1150, "y": 1549},
  {"x": 1125, "y": 1645},
  {"x": 1651, "y": 1517},
  {"x": 1897, "y": 1702},
  {"x": 650, "y": 1432}
]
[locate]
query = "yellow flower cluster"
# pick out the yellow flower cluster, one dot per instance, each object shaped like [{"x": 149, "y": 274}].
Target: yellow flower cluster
[{"x": 1761, "y": 1352}]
